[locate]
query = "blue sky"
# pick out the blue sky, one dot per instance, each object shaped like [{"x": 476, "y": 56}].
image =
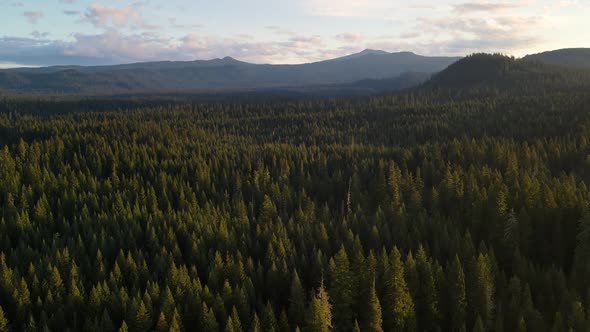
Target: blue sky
[{"x": 86, "y": 32}]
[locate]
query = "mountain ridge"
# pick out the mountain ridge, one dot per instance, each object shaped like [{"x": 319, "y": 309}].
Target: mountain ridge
[
  {"x": 566, "y": 57},
  {"x": 220, "y": 73}
]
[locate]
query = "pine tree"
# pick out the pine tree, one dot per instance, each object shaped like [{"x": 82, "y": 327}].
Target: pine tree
[
  {"x": 342, "y": 291},
  {"x": 484, "y": 296},
  {"x": 426, "y": 295},
  {"x": 255, "y": 324},
  {"x": 123, "y": 327},
  {"x": 269, "y": 320},
  {"x": 521, "y": 327},
  {"x": 581, "y": 266},
  {"x": 374, "y": 321},
  {"x": 3, "y": 322},
  {"x": 398, "y": 306},
  {"x": 176, "y": 323},
  {"x": 284, "y": 322},
  {"x": 478, "y": 327},
  {"x": 297, "y": 302},
  {"x": 319, "y": 313},
  {"x": 229, "y": 325},
  {"x": 356, "y": 327},
  {"x": 237, "y": 324},
  {"x": 143, "y": 321},
  {"x": 457, "y": 296},
  {"x": 162, "y": 324},
  {"x": 209, "y": 322}
]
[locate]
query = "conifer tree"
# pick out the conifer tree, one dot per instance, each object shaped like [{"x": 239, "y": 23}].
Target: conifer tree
[
  {"x": 296, "y": 301},
  {"x": 457, "y": 296},
  {"x": 341, "y": 288},
  {"x": 478, "y": 327},
  {"x": 229, "y": 325},
  {"x": 162, "y": 324},
  {"x": 581, "y": 266},
  {"x": 3, "y": 322},
  {"x": 374, "y": 320},
  {"x": 269, "y": 321},
  {"x": 123, "y": 327},
  {"x": 319, "y": 313},
  {"x": 255, "y": 324},
  {"x": 398, "y": 306},
  {"x": 237, "y": 324},
  {"x": 176, "y": 323}
]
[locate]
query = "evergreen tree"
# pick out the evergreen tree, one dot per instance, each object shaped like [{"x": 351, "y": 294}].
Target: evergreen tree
[
  {"x": 255, "y": 324},
  {"x": 123, "y": 327},
  {"x": 581, "y": 266},
  {"x": 374, "y": 321},
  {"x": 162, "y": 324},
  {"x": 4, "y": 327},
  {"x": 319, "y": 313},
  {"x": 342, "y": 291},
  {"x": 297, "y": 301},
  {"x": 478, "y": 327},
  {"x": 269, "y": 320},
  {"x": 426, "y": 295},
  {"x": 398, "y": 306},
  {"x": 457, "y": 296},
  {"x": 484, "y": 296}
]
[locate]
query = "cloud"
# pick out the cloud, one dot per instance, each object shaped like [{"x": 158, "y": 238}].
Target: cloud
[
  {"x": 348, "y": 37},
  {"x": 350, "y": 8},
  {"x": 39, "y": 35},
  {"x": 463, "y": 35},
  {"x": 12, "y": 3},
  {"x": 33, "y": 16},
  {"x": 68, "y": 1},
  {"x": 71, "y": 12},
  {"x": 176, "y": 25},
  {"x": 470, "y": 7},
  {"x": 112, "y": 47},
  {"x": 103, "y": 16},
  {"x": 279, "y": 30}
]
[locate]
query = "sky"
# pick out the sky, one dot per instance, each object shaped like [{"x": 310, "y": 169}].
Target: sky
[{"x": 87, "y": 32}]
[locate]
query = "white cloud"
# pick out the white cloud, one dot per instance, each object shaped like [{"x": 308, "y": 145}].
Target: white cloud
[
  {"x": 349, "y": 37},
  {"x": 102, "y": 16},
  {"x": 351, "y": 8},
  {"x": 489, "y": 7},
  {"x": 33, "y": 16}
]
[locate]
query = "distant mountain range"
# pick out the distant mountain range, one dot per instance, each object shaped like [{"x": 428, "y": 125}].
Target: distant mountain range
[
  {"x": 227, "y": 74},
  {"x": 363, "y": 73}
]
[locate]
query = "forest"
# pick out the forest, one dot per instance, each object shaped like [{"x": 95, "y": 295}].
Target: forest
[{"x": 436, "y": 209}]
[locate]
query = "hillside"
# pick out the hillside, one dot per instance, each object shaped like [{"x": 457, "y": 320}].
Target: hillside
[
  {"x": 216, "y": 75},
  {"x": 568, "y": 57},
  {"x": 499, "y": 74}
]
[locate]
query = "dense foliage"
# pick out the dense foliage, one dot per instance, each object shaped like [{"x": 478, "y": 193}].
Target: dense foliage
[{"x": 385, "y": 214}]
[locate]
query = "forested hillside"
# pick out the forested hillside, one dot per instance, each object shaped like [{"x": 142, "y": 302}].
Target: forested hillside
[
  {"x": 568, "y": 57},
  {"x": 408, "y": 212}
]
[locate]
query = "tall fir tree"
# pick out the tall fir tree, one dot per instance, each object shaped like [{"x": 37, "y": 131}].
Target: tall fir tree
[
  {"x": 398, "y": 306},
  {"x": 341, "y": 288},
  {"x": 319, "y": 312},
  {"x": 456, "y": 294}
]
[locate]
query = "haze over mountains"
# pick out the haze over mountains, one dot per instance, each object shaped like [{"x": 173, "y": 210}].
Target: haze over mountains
[
  {"x": 220, "y": 74},
  {"x": 367, "y": 72}
]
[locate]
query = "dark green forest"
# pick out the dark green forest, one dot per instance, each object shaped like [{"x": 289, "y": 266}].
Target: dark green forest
[{"x": 445, "y": 208}]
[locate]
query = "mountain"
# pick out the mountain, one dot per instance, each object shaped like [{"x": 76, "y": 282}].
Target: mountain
[
  {"x": 499, "y": 74},
  {"x": 568, "y": 57},
  {"x": 225, "y": 74}
]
